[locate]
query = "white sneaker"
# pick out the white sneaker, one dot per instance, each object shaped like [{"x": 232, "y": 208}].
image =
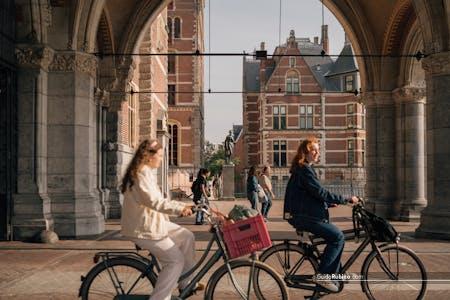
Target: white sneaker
[{"x": 327, "y": 284}]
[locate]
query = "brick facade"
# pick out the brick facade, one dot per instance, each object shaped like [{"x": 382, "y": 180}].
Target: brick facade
[
  {"x": 291, "y": 97},
  {"x": 185, "y": 77}
]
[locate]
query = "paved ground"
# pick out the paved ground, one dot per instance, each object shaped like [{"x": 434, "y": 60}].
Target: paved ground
[{"x": 41, "y": 271}]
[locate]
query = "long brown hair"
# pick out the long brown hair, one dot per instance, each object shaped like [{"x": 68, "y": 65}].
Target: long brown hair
[
  {"x": 145, "y": 151},
  {"x": 303, "y": 149}
]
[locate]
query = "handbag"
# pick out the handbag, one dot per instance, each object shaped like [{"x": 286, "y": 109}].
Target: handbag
[{"x": 261, "y": 194}]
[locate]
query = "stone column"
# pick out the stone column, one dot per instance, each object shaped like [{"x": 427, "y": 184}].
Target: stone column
[
  {"x": 410, "y": 152},
  {"x": 228, "y": 182},
  {"x": 71, "y": 144},
  {"x": 380, "y": 143},
  {"x": 31, "y": 209},
  {"x": 434, "y": 221}
]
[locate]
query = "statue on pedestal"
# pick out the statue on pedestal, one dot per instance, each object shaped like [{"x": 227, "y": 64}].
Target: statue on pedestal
[{"x": 229, "y": 145}]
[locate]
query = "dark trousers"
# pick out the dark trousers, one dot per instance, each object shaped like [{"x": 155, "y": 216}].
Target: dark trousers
[
  {"x": 330, "y": 262},
  {"x": 266, "y": 206},
  {"x": 253, "y": 198}
]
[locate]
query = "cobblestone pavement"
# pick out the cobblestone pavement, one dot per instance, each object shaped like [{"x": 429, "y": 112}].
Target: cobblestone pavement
[{"x": 41, "y": 271}]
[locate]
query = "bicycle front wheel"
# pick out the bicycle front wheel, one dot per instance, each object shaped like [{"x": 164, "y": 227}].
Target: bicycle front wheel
[
  {"x": 397, "y": 274},
  {"x": 247, "y": 280},
  {"x": 118, "y": 278}
]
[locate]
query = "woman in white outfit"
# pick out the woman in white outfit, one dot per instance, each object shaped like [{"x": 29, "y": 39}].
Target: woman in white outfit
[{"x": 145, "y": 220}]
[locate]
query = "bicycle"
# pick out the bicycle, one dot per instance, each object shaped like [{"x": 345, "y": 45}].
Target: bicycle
[
  {"x": 389, "y": 271},
  {"x": 131, "y": 276}
]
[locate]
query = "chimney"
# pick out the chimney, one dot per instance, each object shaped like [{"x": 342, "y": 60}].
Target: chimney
[
  {"x": 316, "y": 40},
  {"x": 324, "y": 40},
  {"x": 262, "y": 46}
]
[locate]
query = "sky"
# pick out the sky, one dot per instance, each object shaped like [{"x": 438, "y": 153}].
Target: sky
[{"x": 241, "y": 25}]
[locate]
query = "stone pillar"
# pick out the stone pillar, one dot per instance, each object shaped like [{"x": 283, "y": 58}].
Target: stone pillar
[
  {"x": 31, "y": 209},
  {"x": 434, "y": 221},
  {"x": 71, "y": 144},
  {"x": 410, "y": 152},
  {"x": 228, "y": 182},
  {"x": 380, "y": 142}
]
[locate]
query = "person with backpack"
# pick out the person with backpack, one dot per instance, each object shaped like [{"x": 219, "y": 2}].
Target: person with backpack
[
  {"x": 306, "y": 208},
  {"x": 200, "y": 190}
]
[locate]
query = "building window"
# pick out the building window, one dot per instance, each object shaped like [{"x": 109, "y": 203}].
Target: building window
[
  {"x": 350, "y": 109},
  {"x": 292, "y": 85},
  {"x": 169, "y": 29},
  {"x": 291, "y": 61},
  {"x": 171, "y": 94},
  {"x": 306, "y": 116},
  {"x": 279, "y": 153},
  {"x": 171, "y": 66},
  {"x": 351, "y": 121},
  {"x": 349, "y": 83},
  {"x": 171, "y": 5},
  {"x": 279, "y": 117},
  {"x": 132, "y": 128},
  {"x": 351, "y": 152},
  {"x": 173, "y": 145},
  {"x": 177, "y": 28}
]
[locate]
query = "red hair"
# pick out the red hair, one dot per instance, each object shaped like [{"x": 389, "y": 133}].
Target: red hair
[{"x": 303, "y": 149}]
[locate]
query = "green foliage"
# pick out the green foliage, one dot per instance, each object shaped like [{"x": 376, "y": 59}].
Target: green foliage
[{"x": 215, "y": 159}]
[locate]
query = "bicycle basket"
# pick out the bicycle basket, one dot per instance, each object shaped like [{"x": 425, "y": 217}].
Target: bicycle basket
[
  {"x": 379, "y": 228},
  {"x": 246, "y": 236}
]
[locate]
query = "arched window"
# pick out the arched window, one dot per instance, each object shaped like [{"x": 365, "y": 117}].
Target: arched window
[
  {"x": 173, "y": 145},
  {"x": 177, "y": 28},
  {"x": 292, "y": 83}
]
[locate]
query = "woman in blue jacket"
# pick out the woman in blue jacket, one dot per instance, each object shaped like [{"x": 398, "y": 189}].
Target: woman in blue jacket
[
  {"x": 252, "y": 187},
  {"x": 309, "y": 202}
]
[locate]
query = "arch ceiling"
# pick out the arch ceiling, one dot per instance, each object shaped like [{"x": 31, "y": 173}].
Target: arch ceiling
[{"x": 373, "y": 27}]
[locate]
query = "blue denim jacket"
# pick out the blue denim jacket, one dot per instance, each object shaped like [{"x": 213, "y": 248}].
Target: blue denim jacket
[{"x": 307, "y": 197}]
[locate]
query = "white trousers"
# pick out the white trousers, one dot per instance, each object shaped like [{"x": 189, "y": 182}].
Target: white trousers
[{"x": 176, "y": 255}]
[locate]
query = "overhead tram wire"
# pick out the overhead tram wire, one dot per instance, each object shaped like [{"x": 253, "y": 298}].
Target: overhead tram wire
[
  {"x": 354, "y": 93},
  {"x": 419, "y": 55}
]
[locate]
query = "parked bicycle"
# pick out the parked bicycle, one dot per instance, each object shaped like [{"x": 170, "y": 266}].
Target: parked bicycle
[
  {"x": 132, "y": 276},
  {"x": 389, "y": 271}
]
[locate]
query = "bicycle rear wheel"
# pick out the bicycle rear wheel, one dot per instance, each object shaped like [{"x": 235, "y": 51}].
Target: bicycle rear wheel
[
  {"x": 291, "y": 262},
  {"x": 119, "y": 278},
  {"x": 255, "y": 280},
  {"x": 397, "y": 274}
]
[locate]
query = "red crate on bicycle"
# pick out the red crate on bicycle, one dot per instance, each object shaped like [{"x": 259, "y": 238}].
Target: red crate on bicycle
[{"x": 246, "y": 236}]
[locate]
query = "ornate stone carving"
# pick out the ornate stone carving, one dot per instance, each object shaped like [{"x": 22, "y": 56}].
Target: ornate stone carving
[
  {"x": 409, "y": 94},
  {"x": 34, "y": 57},
  {"x": 101, "y": 97},
  {"x": 47, "y": 14},
  {"x": 437, "y": 64},
  {"x": 125, "y": 67},
  {"x": 74, "y": 62}
]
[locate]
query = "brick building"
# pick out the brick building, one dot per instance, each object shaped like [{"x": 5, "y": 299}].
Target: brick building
[
  {"x": 290, "y": 97},
  {"x": 185, "y": 84}
]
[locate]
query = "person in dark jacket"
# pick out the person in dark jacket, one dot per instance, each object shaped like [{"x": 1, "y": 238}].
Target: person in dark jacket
[
  {"x": 309, "y": 202},
  {"x": 201, "y": 194},
  {"x": 252, "y": 187}
]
